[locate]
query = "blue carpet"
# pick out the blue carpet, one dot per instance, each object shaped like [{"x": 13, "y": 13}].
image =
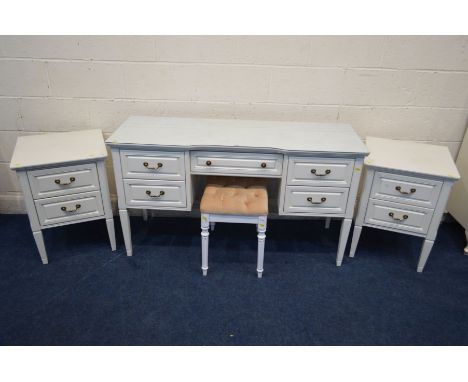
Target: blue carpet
[{"x": 88, "y": 295}]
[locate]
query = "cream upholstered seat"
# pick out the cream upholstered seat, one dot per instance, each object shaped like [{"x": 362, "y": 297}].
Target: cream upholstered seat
[
  {"x": 235, "y": 196},
  {"x": 234, "y": 200}
]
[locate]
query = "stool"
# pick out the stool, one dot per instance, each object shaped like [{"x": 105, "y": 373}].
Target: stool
[{"x": 234, "y": 200}]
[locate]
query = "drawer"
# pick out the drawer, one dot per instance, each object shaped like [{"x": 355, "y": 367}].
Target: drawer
[
  {"x": 315, "y": 200},
  {"x": 152, "y": 164},
  {"x": 66, "y": 180},
  {"x": 398, "y": 216},
  {"x": 155, "y": 193},
  {"x": 329, "y": 172},
  {"x": 244, "y": 164},
  {"x": 406, "y": 189},
  {"x": 69, "y": 208}
]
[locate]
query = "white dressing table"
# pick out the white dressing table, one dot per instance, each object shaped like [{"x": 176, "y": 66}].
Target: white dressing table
[{"x": 317, "y": 166}]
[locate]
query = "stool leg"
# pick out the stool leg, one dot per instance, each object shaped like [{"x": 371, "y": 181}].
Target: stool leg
[
  {"x": 205, "y": 234},
  {"x": 261, "y": 227}
]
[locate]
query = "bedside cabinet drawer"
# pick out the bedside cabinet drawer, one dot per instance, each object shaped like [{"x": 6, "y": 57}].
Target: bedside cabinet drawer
[
  {"x": 320, "y": 171},
  {"x": 152, "y": 165},
  {"x": 66, "y": 180},
  {"x": 406, "y": 189},
  {"x": 398, "y": 216},
  {"x": 244, "y": 164},
  {"x": 64, "y": 209},
  {"x": 315, "y": 200},
  {"x": 155, "y": 193}
]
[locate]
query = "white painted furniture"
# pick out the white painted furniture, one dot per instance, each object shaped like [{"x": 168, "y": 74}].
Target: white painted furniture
[
  {"x": 458, "y": 202},
  {"x": 406, "y": 189},
  {"x": 209, "y": 220},
  {"x": 63, "y": 179},
  {"x": 234, "y": 200},
  {"x": 317, "y": 166}
]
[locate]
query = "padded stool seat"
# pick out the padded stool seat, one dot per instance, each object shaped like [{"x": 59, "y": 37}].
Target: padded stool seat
[
  {"x": 235, "y": 196},
  {"x": 234, "y": 200}
]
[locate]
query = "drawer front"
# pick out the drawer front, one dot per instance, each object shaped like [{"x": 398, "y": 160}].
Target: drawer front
[
  {"x": 155, "y": 193},
  {"x": 152, "y": 165},
  {"x": 329, "y": 172},
  {"x": 62, "y": 209},
  {"x": 237, "y": 163},
  {"x": 406, "y": 189},
  {"x": 398, "y": 216},
  {"x": 50, "y": 182},
  {"x": 315, "y": 200}
]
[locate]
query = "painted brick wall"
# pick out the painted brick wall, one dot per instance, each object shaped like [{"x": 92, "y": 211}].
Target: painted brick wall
[{"x": 398, "y": 87}]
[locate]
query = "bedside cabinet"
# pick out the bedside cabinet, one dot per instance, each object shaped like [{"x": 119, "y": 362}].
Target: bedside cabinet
[
  {"x": 406, "y": 189},
  {"x": 63, "y": 180}
]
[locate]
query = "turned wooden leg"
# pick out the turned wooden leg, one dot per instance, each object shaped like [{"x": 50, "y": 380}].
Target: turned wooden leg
[
  {"x": 125, "y": 222},
  {"x": 344, "y": 233},
  {"x": 356, "y": 235},
  {"x": 261, "y": 228},
  {"x": 425, "y": 251},
  {"x": 39, "y": 238},
  {"x": 205, "y": 236},
  {"x": 111, "y": 232}
]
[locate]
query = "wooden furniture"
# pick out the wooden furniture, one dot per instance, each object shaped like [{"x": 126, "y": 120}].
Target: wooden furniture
[
  {"x": 234, "y": 200},
  {"x": 458, "y": 201},
  {"x": 63, "y": 179},
  {"x": 317, "y": 166},
  {"x": 406, "y": 189}
]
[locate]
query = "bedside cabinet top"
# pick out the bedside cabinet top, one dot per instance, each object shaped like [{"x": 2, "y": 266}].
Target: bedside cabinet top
[
  {"x": 418, "y": 158},
  {"x": 58, "y": 148}
]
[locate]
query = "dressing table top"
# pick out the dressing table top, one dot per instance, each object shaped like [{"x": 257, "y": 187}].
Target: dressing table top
[{"x": 196, "y": 133}]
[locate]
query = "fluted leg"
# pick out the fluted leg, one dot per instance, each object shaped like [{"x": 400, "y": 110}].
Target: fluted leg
[
  {"x": 261, "y": 228},
  {"x": 205, "y": 235}
]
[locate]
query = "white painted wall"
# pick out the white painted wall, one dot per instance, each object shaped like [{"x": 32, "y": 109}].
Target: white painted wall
[{"x": 389, "y": 86}]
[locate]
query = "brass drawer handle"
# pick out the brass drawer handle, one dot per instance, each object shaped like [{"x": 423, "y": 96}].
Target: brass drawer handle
[
  {"x": 161, "y": 193},
  {"x": 411, "y": 191},
  {"x": 263, "y": 165},
  {"x": 322, "y": 200},
  {"x": 392, "y": 215},
  {"x": 157, "y": 167},
  {"x": 65, "y": 209},
  {"x": 314, "y": 171},
  {"x": 58, "y": 181},
  {"x": 208, "y": 163}
]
